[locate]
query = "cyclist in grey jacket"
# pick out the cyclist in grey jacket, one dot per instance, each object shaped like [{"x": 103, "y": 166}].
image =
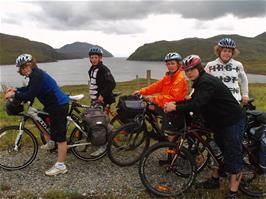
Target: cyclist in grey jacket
[{"x": 230, "y": 71}]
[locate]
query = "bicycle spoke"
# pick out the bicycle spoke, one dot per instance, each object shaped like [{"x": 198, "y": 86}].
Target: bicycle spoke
[
  {"x": 165, "y": 171},
  {"x": 13, "y": 157},
  {"x": 82, "y": 148},
  {"x": 127, "y": 144}
]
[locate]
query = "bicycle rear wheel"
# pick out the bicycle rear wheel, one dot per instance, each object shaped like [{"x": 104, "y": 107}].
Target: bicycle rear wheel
[
  {"x": 15, "y": 158},
  {"x": 167, "y": 171},
  {"x": 83, "y": 149},
  {"x": 253, "y": 178},
  {"x": 127, "y": 144}
]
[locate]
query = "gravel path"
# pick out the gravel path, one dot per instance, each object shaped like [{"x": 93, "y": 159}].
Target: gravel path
[
  {"x": 100, "y": 177},
  {"x": 97, "y": 179}
]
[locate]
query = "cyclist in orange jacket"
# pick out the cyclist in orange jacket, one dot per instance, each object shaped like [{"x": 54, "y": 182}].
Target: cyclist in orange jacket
[{"x": 172, "y": 87}]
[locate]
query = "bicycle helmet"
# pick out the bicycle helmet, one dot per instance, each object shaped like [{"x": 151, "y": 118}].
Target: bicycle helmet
[
  {"x": 13, "y": 106},
  {"x": 173, "y": 56},
  {"x": 191, "y": 62},
  {"x": 23, "y": 59},
  {"x": 95, "y": 51},
  {"x": 227, "y": 43}
]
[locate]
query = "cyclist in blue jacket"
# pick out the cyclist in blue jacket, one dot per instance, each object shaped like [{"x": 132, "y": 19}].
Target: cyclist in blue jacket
[{"x": 45, "y": 88}]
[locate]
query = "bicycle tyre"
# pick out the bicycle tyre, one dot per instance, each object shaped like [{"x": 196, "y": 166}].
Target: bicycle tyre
[
  {"x": 23, "y": 155},
  {"x": 253, "y": 178},
  {"x": 84, "y": 152},
  {"x": 157, "y": 181},
  {"x": 127, "y": 144}
]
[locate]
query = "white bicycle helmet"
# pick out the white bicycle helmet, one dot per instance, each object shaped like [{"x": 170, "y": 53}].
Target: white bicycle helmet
[
  {"x": 173, "y": 56},
  {"x": 23, "y": 59}
]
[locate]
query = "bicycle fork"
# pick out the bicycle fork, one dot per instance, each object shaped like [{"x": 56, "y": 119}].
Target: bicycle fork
[
  {"x": 19, "y": 135},
  {"x": 179, "y": 145}
]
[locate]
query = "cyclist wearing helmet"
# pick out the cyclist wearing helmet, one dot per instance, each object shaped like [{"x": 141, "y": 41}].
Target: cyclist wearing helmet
[
  {"x": 101, "y": 84},
  {"x": 230, "y": 71},
  {"x": 172, "y": 87},
  {"x": 101, "y": 81},
  {"x": 45, "y": 88},
  {"x": 213, "y": 100}
]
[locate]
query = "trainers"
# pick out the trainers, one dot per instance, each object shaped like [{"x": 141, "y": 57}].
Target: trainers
[
  {"x": 209, "y": 184},
  {"x": 49, "y": 145},
  {"x": 99, "y": 151},
  {"x": 56, "y": 170}
]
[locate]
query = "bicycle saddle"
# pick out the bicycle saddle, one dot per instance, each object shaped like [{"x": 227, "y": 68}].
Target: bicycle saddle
[{"x": 76, "y": 97}]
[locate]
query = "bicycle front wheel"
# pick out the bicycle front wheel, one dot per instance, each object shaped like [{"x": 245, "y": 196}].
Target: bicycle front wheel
[
  {"x": 20, "y": 156},
  {"x": 83, "y": 149},
  {"x": 167, "y": 171},
  {"x": 127, "y": 144}
]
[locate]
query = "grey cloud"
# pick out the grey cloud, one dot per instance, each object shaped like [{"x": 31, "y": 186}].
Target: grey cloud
[
  {"x": 119, "y": 16},
  {"x": 10, "y": 20}
]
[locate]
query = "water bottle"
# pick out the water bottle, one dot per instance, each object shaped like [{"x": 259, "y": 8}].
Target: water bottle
[
  {"x": 216, "y": 150},
  {"x": 262, "y": 151}
]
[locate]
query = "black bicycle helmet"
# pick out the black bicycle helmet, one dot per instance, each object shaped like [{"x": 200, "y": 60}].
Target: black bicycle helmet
[{"x": 13, "y": 106}]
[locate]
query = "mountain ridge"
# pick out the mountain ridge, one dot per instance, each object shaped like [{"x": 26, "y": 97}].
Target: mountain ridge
[
  {"x": 156, "y": 51},
  {"x": 80, "y": 49},
  {"x": 12, "y": 46}
]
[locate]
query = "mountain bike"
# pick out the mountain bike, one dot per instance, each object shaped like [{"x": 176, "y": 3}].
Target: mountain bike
[
  {"x": 19, "y": 146},
  {"x": 131, "y": 140},
  {"x": 176, "y": 173}
]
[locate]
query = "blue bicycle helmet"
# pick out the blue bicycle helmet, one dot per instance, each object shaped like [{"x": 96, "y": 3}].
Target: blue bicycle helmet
[
  {"x": 227, "y": 43},
  {"x": 95, "y": 51},
  {"x": 23, "y": 59},
  {"x": 173, "y": 56}
]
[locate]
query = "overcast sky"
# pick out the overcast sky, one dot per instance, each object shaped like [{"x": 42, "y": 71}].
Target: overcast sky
[{"x": 122, "y": 26}]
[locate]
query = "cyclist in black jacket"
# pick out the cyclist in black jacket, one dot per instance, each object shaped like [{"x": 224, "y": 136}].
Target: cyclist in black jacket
[
  {"x": 44, "y": 87},
  {"x": 223, "y": 114},
  {"x": 101, "y": 83}
]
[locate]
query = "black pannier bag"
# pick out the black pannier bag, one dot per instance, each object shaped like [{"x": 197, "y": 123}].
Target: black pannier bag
[
  {"x": 129, "y": 107},
  {"x": 262, "y": 118},
  {"x": 13, "y": 106},
  {"x": 96, "y": 125},
  {"x": 258, "y": 136}
]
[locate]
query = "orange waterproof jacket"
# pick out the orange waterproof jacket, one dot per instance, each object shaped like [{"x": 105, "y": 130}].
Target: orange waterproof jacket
[{"x": 170, "y": 89}]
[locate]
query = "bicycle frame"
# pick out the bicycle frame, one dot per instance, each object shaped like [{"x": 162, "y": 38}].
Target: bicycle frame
[{"x": 43, "y": 128}]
